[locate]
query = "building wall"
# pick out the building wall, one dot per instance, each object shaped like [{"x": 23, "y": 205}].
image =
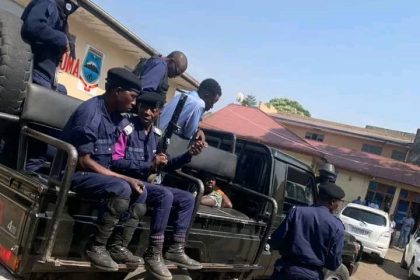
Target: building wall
[
  {"x": 353, "y": 184},
  {"x": 344, "y": 141}
]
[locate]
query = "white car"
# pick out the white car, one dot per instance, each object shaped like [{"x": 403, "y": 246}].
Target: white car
[
  {"x": 411, "y": 256},
  {"x": 370, "y": 226}
]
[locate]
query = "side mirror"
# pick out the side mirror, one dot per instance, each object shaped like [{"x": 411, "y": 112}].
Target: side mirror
[{"x": 418, "y": 240}]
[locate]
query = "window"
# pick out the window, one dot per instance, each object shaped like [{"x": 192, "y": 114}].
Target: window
[
  {"x": 398, "y": 155},
  {"x": 365, "y": 216},
  {"x": 299, "y": 187},
  {"x": 372, "y": 149},
  {"x": 314, "y": 136}
]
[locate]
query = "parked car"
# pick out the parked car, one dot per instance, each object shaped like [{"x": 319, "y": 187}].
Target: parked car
[
  {"x": 370, "y": 226},
  {"x": 411, "y": 256}
]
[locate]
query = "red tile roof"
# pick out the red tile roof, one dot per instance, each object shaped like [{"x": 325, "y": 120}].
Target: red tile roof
[
  {"x": 251, "y": 123},
  {"x": 370, "y": 164}
]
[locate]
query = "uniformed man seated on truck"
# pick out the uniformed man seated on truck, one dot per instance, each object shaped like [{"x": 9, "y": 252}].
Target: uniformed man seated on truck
[
  {"x": 310, "y": 238},
  {"x": 135, "y": 155},
  {"x": 154, "y": 72},
  {"x": 45, "y": 29},
  {"x": 93, "y": 129}
]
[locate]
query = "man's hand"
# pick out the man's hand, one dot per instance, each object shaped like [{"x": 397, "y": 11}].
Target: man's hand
[
  {"x": 160, "y": 160},
  {"x": 201, "y": 137},
  {"x": 136, "y": 185},
  {"x": 197, "y": 147}
]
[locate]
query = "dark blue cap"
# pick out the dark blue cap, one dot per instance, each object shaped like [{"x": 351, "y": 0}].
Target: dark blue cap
[
  {"x": 121, "y": 77},
  {"x": 331, "y": 190},
  {"x": 151, "y": 98}
]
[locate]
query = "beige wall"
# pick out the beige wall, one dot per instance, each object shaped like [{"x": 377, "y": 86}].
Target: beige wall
[
  {"x": 353, "y": 184},
  {"x": 343, "y": 141}
]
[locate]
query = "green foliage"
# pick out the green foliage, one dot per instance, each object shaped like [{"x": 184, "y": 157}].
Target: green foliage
[
  {"x": 249, "y": 101},
  {"x": 289, "y": 106}
]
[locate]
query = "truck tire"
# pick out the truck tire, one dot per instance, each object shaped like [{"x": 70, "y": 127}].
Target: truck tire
[
  {"x": 15, "y": 64},
  {"x": 341, "y": 273}
]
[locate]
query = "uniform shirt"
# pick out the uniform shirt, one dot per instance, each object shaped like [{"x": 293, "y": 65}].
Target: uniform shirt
[
  {"x": 92, "y": 130},
  {"x": 154, "y": 75},
  {"x": 190, "y": 116},
  {"x": 43, "y": 28},
  {"x": 140, "y": 149},
  {"x": 309, "y": 239}
]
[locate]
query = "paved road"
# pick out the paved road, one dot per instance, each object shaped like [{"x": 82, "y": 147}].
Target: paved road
[{"x": 390, "y": 270}]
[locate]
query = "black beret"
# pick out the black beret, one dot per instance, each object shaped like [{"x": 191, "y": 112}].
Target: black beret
[
  {"x": 121, "y": 77},
  {"x": 151, "y": 98},
  {"x": 331, "y": 190}
]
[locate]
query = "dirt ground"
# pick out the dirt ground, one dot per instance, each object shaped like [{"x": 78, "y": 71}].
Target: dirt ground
[{"x": 369, "y": 270}]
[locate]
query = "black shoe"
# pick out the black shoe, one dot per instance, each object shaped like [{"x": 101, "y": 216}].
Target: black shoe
[
  {"x": 176, "y": 254},
  {"x": 155, "y": 265},
  {"x": 121, "y": 254},
  {"x": 100, "y": 258}
]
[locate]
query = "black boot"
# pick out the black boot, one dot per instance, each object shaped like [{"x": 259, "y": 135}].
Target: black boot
[
  {"x": 121, "y": 254},
  {"x": 176, "y": 254},
  {"x": 122, "y": 237},
  {"x": 100, "y": 258},
  {"x": 155, "y": 265},
  {"x": 97, "y": 252}
]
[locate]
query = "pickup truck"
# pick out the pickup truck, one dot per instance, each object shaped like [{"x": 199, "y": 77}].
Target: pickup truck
[{"x": 44, "y": 227}]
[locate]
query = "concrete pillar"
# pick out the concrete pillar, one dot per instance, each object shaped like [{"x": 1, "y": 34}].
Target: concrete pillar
[{"x": 395, "y": 200}]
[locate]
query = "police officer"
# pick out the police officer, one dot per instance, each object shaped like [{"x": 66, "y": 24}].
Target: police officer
[
  {"x": 310, "y": 238},
  {"x": 93, "y": 129},
  {"x": 136, "y": 159},
  {"x": 45, "y": 28},
  {"x": 154, "y": 72}
]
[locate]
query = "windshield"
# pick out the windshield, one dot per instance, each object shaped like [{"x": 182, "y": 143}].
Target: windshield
[
  {"x": 299, "y": 187},
  {"x": 365, "y": 216}
]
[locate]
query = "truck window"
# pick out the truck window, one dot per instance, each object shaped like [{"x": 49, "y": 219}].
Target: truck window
[{"x": 300, "y": 187}]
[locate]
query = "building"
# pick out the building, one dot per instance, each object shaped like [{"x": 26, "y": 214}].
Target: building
[
  {"x": 102, "y": 43},
  {"x": 391, "y": 183}
]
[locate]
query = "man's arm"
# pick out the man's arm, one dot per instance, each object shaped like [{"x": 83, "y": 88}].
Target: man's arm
[
  {"x": 226, "y": 203},
  {"x": 35, "y": 27},
  {"x": 333, "y": 259},
  {"x": 179, "y": 161},
  {"x": 191, "y": 125}
]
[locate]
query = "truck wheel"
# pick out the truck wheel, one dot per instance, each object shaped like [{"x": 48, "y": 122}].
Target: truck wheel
[
  {"x": 341, "y": 273},
  {"x": 15, "y": 64}
]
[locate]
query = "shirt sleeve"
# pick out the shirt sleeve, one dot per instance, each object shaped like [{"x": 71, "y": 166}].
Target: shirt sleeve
[
  {"x": 152, "y": 75},
  {"x": 178, "y": 162},
  {"x": 333, "y": 260},
  {"x": 36, "y": 28},
  {"x": 136, "y": 168},
  {"x": 191, "y": 125},
  {"x": 278, "y": 237}
]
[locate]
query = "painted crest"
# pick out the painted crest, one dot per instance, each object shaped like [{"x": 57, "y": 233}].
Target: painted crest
[{"x": 92, "y": 65}]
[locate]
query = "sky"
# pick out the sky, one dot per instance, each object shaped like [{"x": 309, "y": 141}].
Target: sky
[{"x": 355, "y": 62}]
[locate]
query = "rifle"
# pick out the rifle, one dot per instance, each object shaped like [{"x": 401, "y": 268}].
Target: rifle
[{"x": 165, "y": 140}]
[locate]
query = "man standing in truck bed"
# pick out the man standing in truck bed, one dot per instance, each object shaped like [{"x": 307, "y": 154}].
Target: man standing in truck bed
[{"x": 310, "y": 238}]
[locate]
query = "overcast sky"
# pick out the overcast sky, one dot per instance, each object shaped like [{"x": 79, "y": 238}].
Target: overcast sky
[{"x": 355, "y": 62}]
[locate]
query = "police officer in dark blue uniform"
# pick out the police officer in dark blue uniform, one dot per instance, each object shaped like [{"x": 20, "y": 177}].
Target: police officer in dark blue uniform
[
  {"x": 136, "y": 159},
  {"x": 93, "y": 129},
  {"x": 154, "y": 72},
  {"x": 310, "y": 238},
  {"x": 45, "y": 28}
]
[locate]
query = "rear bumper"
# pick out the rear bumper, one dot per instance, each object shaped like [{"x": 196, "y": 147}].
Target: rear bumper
[{"x": 375, "y": 248}]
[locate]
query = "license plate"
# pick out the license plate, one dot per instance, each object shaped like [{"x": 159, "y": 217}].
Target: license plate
[{"x": 359, "y": 230}]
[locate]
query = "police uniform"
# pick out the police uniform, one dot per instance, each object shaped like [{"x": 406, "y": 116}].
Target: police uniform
[
  {"x": 136, "y": 161},
  {"x": 309, "y": 239},
  {"x": 93, "y": 130},
  {"x": 45, "y": 29},
  {"x": 153, "y": 73}
]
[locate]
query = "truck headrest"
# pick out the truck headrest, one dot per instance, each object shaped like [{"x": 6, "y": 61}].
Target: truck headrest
[
  {"x": 48, "y": 107},
  {"x": 211, "y": 160}
]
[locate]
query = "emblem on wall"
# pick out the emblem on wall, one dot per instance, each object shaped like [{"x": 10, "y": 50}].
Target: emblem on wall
[{"x": 91, "y": 68}]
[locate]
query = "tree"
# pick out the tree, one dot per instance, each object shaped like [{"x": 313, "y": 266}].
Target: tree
[
  {"x": 249, "y": 101},
  {"x": 289, "y": 106}
]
